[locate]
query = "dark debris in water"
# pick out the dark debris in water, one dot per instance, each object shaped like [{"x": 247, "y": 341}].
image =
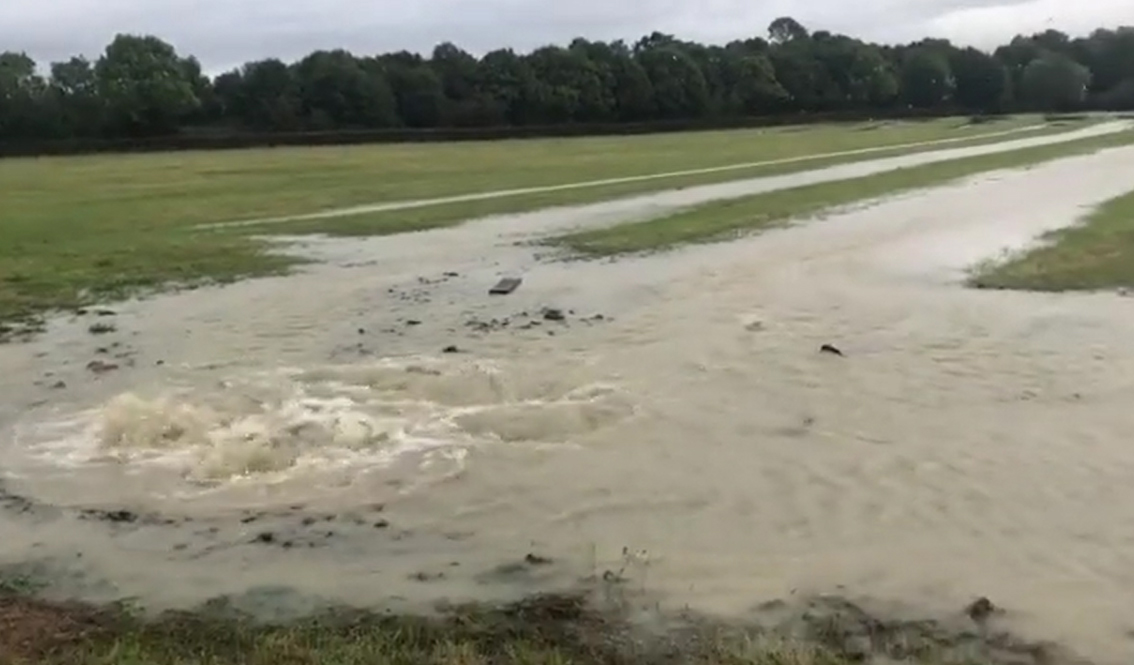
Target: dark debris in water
[
  {"x": 116, "y": 515},
  {"x": 523, "y": 320},
  {"x": 981, "y": 609},
  {"x": 422, "y": 291},
  {"x": 123, "y": 516},
  {"x": 505, "y": 286},
  {"x": 16, "y": 503},
  {"x": 101, "y": 367}
]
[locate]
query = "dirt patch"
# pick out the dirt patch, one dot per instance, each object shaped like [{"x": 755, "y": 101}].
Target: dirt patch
[{"x": 34, "y": 630}]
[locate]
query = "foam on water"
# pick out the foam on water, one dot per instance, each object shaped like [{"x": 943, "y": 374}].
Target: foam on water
[{"x": 323, "y": 426}]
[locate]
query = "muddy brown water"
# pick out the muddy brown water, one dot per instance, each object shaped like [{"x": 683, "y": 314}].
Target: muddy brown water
[{"x": 307, "y": 438}]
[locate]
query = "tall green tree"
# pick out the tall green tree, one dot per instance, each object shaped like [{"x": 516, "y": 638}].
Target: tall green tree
[
  {"x": 269, "y": 97},
  {"x": 1054, "y": 81},
  {"x": 336, "y": 91},
  {"x": 927, "y": 80},
  {"x": 75, "y": 86},
  {"x": 982, "y": 81},
  {"x": 417, "y": 89},
  {"x": 1109, "y": 54},
  {"x": 680, "y": 89},
  {"x": 859, "y": 75},
  {"x": 1015, "y": 55},
  {"x": 508, "y": 81},
  {"x": 634, "y": 99},
  {"x": 457, "y": 69},
  {"x": 785, "y": 29},
  {"x": 147, "y": 87},
  {"x": 751, "y": 81},
  {"x": 573, "y": 87},
  {"x": 22, "y": 97},
  {"x": 807, "y": 82}
]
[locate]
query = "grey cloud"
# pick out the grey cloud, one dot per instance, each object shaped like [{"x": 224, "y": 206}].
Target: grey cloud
[{"x": 225, "y": 33}]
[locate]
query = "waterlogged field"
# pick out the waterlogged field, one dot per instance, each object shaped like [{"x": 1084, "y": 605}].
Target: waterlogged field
[
  {"x": 657, "y": 441},
  {"x": 1097, "y": 253},
  {"x": 279, "y": 445},
  {"x": 75, "y": 230}
]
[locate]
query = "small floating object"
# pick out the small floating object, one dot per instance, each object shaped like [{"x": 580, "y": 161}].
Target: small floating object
[
  {"x": 981, "y": 609},
  {"x": 827, "y": 348},
  {"x": 101, "y": 367},
  {"x": 505, "y": 286}
]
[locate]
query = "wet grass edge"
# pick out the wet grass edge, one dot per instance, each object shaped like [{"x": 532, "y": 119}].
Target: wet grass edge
[
  {"x": 544, "y": 628},
  {"x": 727, "y": 220},
  {"x": 1096, "y": 253}
]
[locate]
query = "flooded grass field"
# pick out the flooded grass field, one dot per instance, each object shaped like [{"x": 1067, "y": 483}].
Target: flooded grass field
[
  {"x": 79, "y": 229},
  {"x": 727, "y": 219},
  {"x": 378, "y": 431}
]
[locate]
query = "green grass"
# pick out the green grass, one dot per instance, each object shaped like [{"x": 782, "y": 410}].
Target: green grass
[
  {"x": 1096, "y": 254},
  {"x": 170, "y": 188},
  {"x": 728, "y": 219},
  {"x": 809, "y": 157},
  {"x": 80, "y": 230},
  {"x": 540, "y": 630},
  {"x": 551, "y": 631}
]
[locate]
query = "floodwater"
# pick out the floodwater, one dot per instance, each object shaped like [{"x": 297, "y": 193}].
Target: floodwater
[{"x": 308, "y": 433}]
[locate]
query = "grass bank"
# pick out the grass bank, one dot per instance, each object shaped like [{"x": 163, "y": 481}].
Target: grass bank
[
  {"x": 540, "y": 630},
  {"x": 1096, "y": 254},
  {"x": 79, "y": 230},
  {"x": 728, "y": 219}
]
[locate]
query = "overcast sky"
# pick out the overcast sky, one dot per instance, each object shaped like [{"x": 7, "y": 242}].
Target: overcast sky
[{"x": 226, "y": 33}]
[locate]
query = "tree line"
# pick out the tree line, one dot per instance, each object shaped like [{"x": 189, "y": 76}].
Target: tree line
[{"x": 141, "y": 87}]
